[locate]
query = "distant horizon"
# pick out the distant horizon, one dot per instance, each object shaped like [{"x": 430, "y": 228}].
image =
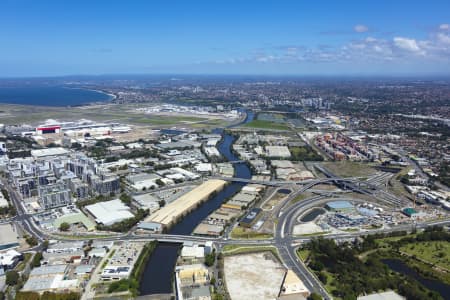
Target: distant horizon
[{"x": 233, "y": 75}]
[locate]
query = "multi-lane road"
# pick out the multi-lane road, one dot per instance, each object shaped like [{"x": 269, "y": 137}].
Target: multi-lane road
[{"x": 283, "y": 240}]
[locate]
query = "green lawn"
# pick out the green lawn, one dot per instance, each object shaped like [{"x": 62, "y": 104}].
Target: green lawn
[
  {"x": 266, "y": 125},
  {"x": 435, "y": 252},
  {"x": 303, "y": 254},
  {"x": 22, "y": 264}
]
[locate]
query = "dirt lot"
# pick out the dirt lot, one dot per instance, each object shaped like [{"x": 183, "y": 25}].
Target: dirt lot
[{"x": 245, "y": 280}]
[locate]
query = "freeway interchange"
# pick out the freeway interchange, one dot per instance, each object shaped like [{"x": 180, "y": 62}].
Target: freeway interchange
[{"x": 284, "y": 240}]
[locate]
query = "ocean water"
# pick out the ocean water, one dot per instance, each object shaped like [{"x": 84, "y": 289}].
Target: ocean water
[{"x": 50, "y": 96}]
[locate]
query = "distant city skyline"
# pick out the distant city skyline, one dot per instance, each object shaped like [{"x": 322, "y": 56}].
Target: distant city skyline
[{"x": 58, "y": 38}]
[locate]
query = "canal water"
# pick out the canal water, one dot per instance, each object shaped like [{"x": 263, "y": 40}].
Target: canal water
[
  {"x": 434, "y": 285},
  {"x": 310, "y": 216},
  {"x": 158, "y": 274}
]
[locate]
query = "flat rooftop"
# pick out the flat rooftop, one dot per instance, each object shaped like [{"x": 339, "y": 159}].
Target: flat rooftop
[
  {"x": 8, "y": 236},
  {"x": 169, "y": 213},
  {"x": 389, "y": 295}
]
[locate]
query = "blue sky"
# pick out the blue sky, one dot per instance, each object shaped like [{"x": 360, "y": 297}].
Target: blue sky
[{"x": 48, "y": 38}]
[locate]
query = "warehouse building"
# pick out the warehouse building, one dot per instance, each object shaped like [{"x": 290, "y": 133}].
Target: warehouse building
[
  {"x": 339, "y": 206},
  {"x": 9, "y": 237},
  {"x": 176, "y": 209},
  {"x": 109, "y": 212}
]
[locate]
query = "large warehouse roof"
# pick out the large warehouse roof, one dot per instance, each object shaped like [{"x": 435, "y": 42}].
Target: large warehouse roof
[
  {"x": 8, "y": 238},
  {"x": 49, "y": 152},
  {"x": 110, "y": 212},
  {"x": 339, "y": 205},
  {"x": 169, "y": 213}
]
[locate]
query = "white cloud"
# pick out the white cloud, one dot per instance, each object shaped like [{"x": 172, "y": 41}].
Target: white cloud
[
  {"x": 444, "y": 26},
  {"x": 266, "y": 58},
  {"x": 361, "y": 28},
  {"x": 435, "y": 48},
  {"x": 407, "y": 44},
  {"x": 443, "y": 38}
]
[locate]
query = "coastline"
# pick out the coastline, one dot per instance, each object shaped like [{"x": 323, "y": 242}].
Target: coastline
[
  {"x": 55, "y": 98},
  {"x": 112, "y": 96}
]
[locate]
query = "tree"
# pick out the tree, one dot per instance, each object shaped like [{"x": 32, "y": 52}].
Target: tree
[
  {"x": 125, "y": 198},
  {"x": 210, "y": 259},
  {"x": 162, "y": 203},
  {"x": 37, "y": 260},
  {"x": 323, "y": 277},
  {"x": 314, "y": 296},
  {"x": 64, "y": 226},
  {"x": 45, "y": 245},
  {"x": 31, "y": 240},
  {"x": 212, "y": 281},
  {"x": 12, "y": 277}
]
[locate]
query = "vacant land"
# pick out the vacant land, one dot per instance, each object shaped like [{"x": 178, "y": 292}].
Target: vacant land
[
  {"x": 245, "y": 280},
  {"x": 349, "y": 169},
  {"x": 260, "y": 124},
  {"x": 247, "y": 233},
  {"x": 309, "y": 228}
]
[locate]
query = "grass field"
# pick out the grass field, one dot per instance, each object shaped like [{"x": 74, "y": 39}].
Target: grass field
[
  {"x": 301, "y": 197},
  {"x": 435, "y": 252},
  {"x": 244, "y": 233},
  {"x": 260, "y": 124},
  {"x": 349, "y": 169}
]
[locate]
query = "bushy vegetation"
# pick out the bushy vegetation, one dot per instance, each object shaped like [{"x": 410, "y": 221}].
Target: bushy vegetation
[
  {"x": 210, "y": 258},
  {"x": 122, "y": 285},
  {"x": 347, "y": 276},
  {"x": 12, "y": 277},
  {"x": 64, "y": 226},
  {"x": 304, "y": 153},
  {"x": 31, "y": 240},
  {"x": 36, "y": 262}
]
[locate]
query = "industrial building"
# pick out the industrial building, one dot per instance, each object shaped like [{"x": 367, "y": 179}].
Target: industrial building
[
  {"x": 171, "y": 212},
  {"x": 9, "y": 259},
  {"x": 389, "y": 295},
  {"x": 278, "y": 151},
  {"x": 49, "y": 278},
  {"x": 109, "y": 212},
  {"x": 9, "y": 237},
  {"x": 339, "y": 206},
  {"x": 409, "y": 212}
]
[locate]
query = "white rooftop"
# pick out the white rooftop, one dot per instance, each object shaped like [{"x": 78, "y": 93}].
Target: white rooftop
[
  {"x": 389, "y": 295},
  {"x": 49, "y": 152},
  {"x": 109, "y": 212}
]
